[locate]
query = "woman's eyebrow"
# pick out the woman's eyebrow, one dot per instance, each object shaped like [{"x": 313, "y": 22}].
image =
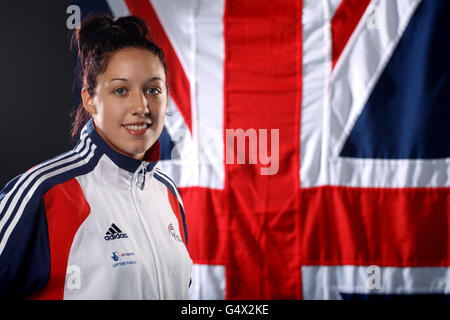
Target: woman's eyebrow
[
  {"x": 148, "y": 80},
  {"x": 155, "y": 78},
  {"x": 116, "y": 79}
]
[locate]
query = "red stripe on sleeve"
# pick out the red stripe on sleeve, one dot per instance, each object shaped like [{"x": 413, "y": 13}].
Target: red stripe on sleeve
[
  {"x": 66, "y": 209},
  {"x": 176, "y": 209}
]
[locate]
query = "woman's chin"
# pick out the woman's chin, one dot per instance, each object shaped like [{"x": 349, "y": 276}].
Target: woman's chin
[{"x": 136, "y": 153}]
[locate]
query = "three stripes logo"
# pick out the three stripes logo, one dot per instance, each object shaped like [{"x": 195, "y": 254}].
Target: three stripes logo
[{"x": 114, "y": 233}]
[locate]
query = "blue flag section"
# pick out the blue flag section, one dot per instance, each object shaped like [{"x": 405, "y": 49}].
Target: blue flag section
[{"x": 408, "y": 113}]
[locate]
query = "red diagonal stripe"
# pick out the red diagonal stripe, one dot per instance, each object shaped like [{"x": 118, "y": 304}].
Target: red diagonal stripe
[
  {"x": 179, "y": 86},
  {"x": 344, "y": 22}
]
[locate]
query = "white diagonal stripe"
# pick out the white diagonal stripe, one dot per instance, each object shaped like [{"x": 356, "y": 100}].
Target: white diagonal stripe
[{"x": 352, "y": 86}]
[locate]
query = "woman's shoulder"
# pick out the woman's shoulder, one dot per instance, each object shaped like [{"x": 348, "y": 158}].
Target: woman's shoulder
[
  {"x": 162, "y": 175},
  {"x": 42, "y": 177},
  {"x": 164, "y": 178}
]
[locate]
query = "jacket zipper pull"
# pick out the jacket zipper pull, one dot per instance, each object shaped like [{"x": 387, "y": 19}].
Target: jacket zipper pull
[{"x": 141, "y": 178}]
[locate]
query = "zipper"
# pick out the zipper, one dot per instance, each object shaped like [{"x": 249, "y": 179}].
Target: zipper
[
  {"x": 140, "y": 183},
  {"x": 141, "y": 175}
]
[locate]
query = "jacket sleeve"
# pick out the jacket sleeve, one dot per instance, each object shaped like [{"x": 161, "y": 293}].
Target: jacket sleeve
[
  {"x": 178, "y": 208},
  {"x": 175, "y": 202},
  {"x": 24, "y": 245}
]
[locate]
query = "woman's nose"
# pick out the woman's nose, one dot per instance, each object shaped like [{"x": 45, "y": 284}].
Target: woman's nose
[{"x": 139, "y": 104}]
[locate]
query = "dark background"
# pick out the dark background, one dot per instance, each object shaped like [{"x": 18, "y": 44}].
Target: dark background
[{"x": 35, "y": 82}]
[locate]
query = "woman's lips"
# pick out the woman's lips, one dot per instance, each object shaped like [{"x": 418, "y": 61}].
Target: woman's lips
[{"x": 137, "y": 129}]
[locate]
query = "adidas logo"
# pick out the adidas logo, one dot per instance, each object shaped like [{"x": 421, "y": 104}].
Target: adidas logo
[{"x": 114, "y": 233}]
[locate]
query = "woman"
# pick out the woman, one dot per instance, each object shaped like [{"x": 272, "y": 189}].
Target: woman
[{"x": 101, "y": 221}]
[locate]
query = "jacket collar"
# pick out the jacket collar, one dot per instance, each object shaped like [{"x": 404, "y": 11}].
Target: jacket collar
[{"x": 151, "y": 157}]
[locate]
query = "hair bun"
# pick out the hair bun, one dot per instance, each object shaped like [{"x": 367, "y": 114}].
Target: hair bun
[
  {"x": 92, "y": 29},
  {"x": 96, "y": 30},
  {"x": 132, "y": 26}
]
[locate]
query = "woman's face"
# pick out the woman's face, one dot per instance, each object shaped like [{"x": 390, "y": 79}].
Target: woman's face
[{"x": 130, "y": 101}]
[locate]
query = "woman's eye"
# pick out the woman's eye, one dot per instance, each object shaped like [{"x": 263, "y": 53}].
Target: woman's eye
[
  {"x": 120, "y": 91},
  {"x": 154, "y": 91}
]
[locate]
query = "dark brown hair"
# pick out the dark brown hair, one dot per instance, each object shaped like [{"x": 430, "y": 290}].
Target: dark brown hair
[{"x": 97, "y": 39}]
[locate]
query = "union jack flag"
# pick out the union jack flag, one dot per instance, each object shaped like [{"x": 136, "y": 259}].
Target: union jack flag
[{"x": 352, "y": 99}]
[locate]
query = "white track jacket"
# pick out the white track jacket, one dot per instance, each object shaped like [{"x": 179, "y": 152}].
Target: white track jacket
[{"x": 93, "y": 224}]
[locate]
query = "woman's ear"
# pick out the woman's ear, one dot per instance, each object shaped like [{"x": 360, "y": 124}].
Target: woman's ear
[{"x": 88, "y": 102}]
